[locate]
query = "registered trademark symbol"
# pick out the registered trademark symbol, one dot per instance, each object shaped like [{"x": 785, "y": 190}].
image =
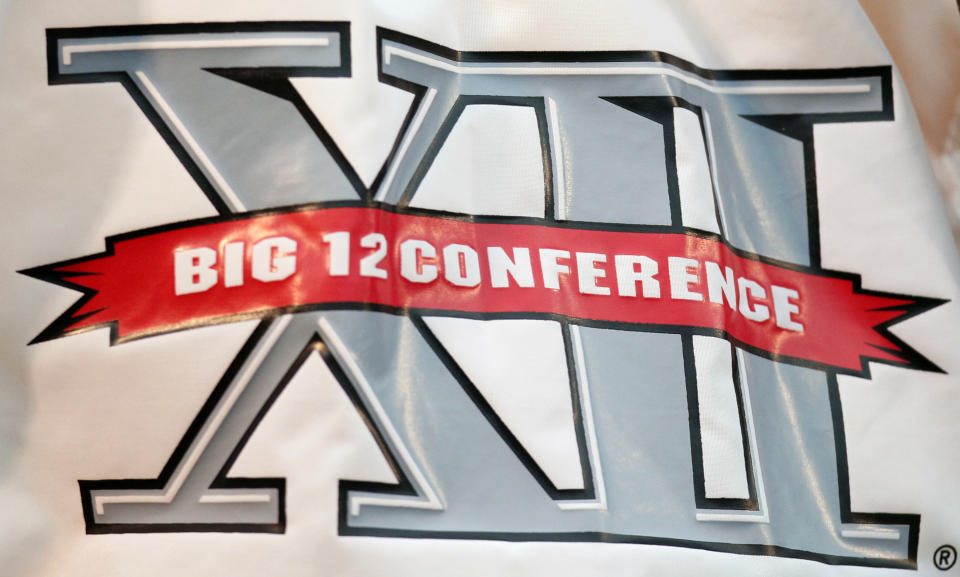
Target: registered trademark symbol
[{"x": 944, "y": 557}]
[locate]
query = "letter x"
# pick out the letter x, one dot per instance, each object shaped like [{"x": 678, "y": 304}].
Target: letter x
[{"x": 625, "y": 138}]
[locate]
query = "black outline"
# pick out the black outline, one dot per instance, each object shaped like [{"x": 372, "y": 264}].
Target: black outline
[
  {"x": 910, "y": 358},
  {"x": 751, "y": 503},
  {"x": 222, "y": 481},
  {"x": 796, "y": 126},
  {"x": 660, "y": 110},
  {"x": 446, "y": 127},
  {"x": 588, "y": 492},
  {"x": 277, "y": 83},
  {"x": 847, "y": 515},
  {"x": 55, "y": 77}
]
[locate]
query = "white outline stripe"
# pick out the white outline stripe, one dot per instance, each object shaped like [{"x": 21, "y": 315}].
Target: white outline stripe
[
  {"x": 430, "y": 500},
  {"x": 226, "y": 193},
  {"x": 735, "y": 517},
  {"x": 593, "y": 447},
  {"x": 211, "y": 426},
  {"x": 875, "y": 533},
  {"x": 556, "y": 147},
  {"x": 768, "y": 86},
  {"x": 69, "y": 50},
  {"x": 224, "y": 498},
  {"x": 714, "y": 176},
  {"x": 405, "y": 143}
]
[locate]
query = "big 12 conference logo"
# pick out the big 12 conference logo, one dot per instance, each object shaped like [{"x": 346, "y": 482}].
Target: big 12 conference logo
[{"x": 641, "y": 346}]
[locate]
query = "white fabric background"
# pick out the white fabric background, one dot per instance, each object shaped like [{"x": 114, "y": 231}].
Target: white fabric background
[{"x": 78, "y": 163}]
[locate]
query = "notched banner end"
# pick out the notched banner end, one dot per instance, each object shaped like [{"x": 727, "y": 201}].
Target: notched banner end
[
  {"x": 889, "y": 348},
  {"x": 85, "y": 314},
  {"x": 156, "y": 282}
]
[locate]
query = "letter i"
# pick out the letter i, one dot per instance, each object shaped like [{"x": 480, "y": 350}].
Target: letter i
[{"x": 233, "y": 264}]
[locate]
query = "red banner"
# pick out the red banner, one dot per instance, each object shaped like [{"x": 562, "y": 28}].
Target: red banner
[{"x": 342, "y": 257}]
